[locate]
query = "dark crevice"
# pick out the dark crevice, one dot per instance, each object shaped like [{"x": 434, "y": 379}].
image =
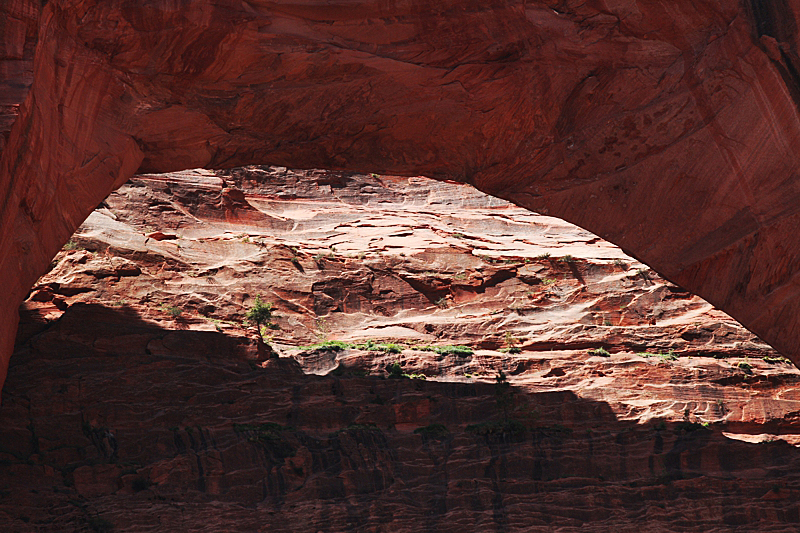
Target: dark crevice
[
  {"x": 772, "y": 18},
  {"x": 791, "y": 72}
]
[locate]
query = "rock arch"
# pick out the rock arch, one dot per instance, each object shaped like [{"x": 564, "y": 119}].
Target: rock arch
[{"x": 668, "y": 128}]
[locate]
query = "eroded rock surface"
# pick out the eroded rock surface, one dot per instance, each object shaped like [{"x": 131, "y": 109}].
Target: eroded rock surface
[
  {"x": 139, "y": 400},
  {"x": 19, "y": 25},
  {"x": 360, "y": 256},
  {"x": 670, "y": 130}
]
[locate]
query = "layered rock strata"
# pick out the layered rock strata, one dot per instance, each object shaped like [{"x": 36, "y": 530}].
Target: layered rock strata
[
  {"x": 189, "y": 438},
  {"x": 354, "y": 257},
  {"x": 138, "y": 399},
  {"x": 670, "y": 130}
]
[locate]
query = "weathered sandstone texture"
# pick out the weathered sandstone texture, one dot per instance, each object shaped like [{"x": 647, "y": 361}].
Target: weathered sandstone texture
[
  {"x": 19, "y": 25},
  {"x": 355, "y": 257},
  {"x": 138, "y": 399},
  {"x": 669, "y": 128}
]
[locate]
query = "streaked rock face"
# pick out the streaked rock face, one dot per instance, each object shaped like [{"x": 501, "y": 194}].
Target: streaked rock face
[
  {"x": 138, "y": 398},
  {"x": 189, "y": 438},
  {"x": 670, "y": 130},
  {"x": 354, "y": 257},
  {"x": 19, "y": 23}
]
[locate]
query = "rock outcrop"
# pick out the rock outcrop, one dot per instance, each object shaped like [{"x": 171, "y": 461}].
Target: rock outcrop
[
  {"x": 355, "y": 257},
  {"x": 671, "y": 130},
  {"x": 138, "y": 399},
  {"x": 101, "y": 436}
]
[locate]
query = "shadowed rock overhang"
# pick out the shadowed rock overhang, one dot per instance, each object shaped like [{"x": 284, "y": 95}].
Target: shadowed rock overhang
[{"x": 668, "y": 128}]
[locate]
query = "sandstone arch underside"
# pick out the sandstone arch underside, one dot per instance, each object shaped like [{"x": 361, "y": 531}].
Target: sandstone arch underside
[{"x": 669, "y": 127}]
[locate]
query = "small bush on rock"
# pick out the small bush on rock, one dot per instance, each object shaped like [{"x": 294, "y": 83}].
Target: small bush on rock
[
  {"x": 260, "y": 314},
  {"x": 461, "y": 351}
]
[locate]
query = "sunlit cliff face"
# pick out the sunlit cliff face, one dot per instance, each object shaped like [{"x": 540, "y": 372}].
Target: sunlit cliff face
[
  {"x": 357, "y": 257},
  {"x": 139, "y": 399},
  {"x": 671, "y": 132},
  {"x": 443, "y": 358}
]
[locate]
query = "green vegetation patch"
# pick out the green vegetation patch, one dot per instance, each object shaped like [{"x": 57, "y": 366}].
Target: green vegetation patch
[
  {"x": 331, "y": 346},
  {"x": 373, "y": 346},
  {"x": 511, "y": 344},
  {"x": 395, "y": 371},
  {"x": 370, "y": 345},
  {"x": 691, "y": 426},
  {"x": 460, "y": 351},
  {"x": 512, "y": 350},
  {"x": 433, "y": 431},
  {"x": 174, "y": 311},
  {"x": 260, "y": 315},
  {"x": 669, "y": 356}
]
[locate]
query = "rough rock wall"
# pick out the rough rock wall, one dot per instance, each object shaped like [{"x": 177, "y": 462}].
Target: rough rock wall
[
  {"x": 138, "y": 399},
  {"x": 360, "y": 257},
  {"x": 19, "y": 22},
  {"x": 668, "y": 128},
  {"x": 129, "y": 427}
]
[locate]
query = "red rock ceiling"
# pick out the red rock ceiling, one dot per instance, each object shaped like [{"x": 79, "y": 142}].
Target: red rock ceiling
[{"x": 669, "y": 128}]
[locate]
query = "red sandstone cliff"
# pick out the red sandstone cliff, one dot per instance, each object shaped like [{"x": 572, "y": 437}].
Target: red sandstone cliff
[
  {"x": 137, "y": 399},
  {"x": 670, "y": 130},
  {"x": 19, "y": 25}
]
